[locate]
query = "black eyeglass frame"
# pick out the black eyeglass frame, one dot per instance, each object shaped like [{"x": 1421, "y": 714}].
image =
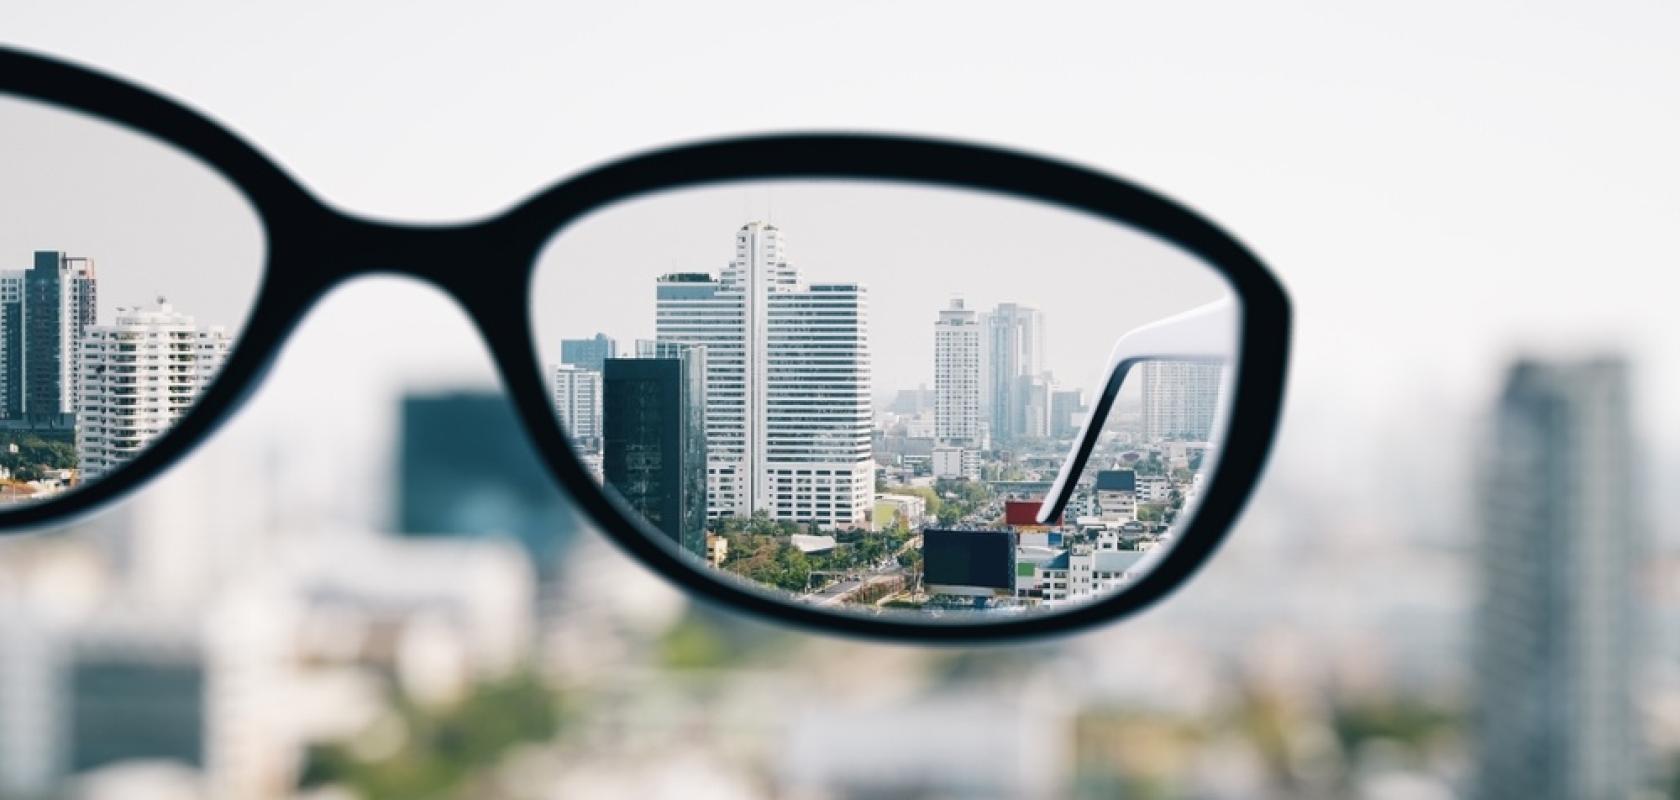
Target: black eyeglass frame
[{"x": 482, "y": 264}]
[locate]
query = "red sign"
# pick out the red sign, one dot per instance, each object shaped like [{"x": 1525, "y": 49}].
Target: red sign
[{"x": 1024, "y": 512}]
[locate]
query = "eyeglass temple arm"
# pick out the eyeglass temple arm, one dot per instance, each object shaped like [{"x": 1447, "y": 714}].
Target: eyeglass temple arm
[{"x": 1204, "y": 333}]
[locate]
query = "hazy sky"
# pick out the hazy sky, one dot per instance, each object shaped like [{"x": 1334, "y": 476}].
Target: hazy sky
[
  {"x": 154, "y": 221},
  {"x": 913, "y": 248},
  {"x": 1438, "y": 184}
]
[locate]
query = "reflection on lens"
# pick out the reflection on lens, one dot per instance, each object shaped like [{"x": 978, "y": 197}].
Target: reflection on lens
[
  {"x": 124, "y": 267},
  {"x": 872, "y": 421}
]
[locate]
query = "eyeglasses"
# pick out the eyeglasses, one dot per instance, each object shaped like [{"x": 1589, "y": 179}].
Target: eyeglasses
[{"x": 887, "y": 386}]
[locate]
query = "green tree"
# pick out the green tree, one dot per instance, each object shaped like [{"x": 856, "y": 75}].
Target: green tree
[{"x": 446, "y": 750}]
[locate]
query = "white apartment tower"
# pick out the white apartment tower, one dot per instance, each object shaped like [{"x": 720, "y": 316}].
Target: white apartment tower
[
  {"x": 1180, "y": 399},
  {"x": 576, "y": 393},
  {"x": 138, "y": 377},
  {"x": 956, "y": 375},
  {"x": 787, "y": 384}
]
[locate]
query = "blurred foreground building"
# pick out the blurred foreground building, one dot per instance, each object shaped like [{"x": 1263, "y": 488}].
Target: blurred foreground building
[
  {"x": 466, "y": 469},
  {"x": 1555, "y": 638}
]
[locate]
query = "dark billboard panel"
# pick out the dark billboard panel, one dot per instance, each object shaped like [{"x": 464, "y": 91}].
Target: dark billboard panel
[{"x": 975, "y": 559}]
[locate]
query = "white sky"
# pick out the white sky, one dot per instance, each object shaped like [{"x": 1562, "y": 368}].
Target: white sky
[
  {"x": 155, "y": 222},
  {"x": 1438, "y": 184}
]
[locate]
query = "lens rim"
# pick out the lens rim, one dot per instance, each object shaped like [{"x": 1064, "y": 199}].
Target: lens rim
[
  {"x": 312, "y": 248},
  {"x": 1257, "y": 385}
]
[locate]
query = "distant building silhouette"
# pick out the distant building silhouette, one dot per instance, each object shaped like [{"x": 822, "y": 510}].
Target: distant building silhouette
[{"x": 1556, "y": 635}]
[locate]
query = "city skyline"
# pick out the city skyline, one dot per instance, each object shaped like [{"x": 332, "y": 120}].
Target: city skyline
[
  {"x": 915, "y": 247},
  {"x": 776, "y": 467},
  {"x": 85, "y": 386}
]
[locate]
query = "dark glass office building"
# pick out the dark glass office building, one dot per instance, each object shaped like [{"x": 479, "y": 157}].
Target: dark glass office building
[
  {"x": 654, "y": 439},
  {"x": 44, "y": 311}
]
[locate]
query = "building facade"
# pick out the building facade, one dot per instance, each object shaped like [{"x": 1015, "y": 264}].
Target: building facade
[
  {"x": 44, "y": 312},
  {"x": 1180, "y": 399},
  {"x": 576, "y": 394},
  {"x": 956, "y": 375},
  {"x": 588, "y": 353},
  {"x": 1557, "y": 632},
  {"x": 1014, "y": 351},
  {"x": 788, "y": 416},
  {"x": 654, "y": 441},
  {"x": 1067, "y": 412},
  {"x": 138, "y": 377}
]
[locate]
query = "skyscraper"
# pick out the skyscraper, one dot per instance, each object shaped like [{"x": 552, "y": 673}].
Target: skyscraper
[
  {"x": 44, "y": 310},
  {"x": 576, "y": 392},
  {"x": 1180, "y": 399},
  {"x": 1014, "y": 350},
  {"x": 654, "y": 440},
  {"x": 588, "y": 353},
  {"x": 11, "y": 344},
  {"x": 138, "y": 378},
  {"x": 1556, "y": 633},
  {"x": 956, "y": 375},
  {"x": 788, "y": 384}
]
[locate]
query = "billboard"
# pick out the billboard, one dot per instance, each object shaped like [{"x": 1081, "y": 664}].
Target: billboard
[
  {"x": 1024, "y": 512},
  {"x": 968, "y": 562}
]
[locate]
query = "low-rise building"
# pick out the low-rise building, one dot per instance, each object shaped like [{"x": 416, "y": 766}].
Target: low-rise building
[
  {"x": 950, "y": 461},
  {"x": 905, "y": 510},
  {"x": 1154, "y": 488},
  {"x": 1116, "y": 491}
]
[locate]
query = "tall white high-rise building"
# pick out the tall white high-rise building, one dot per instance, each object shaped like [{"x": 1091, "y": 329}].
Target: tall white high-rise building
[
  {"x": 1556, "y": 639},
  {"x": 956, "y": 375},
  {"x": 1014, "y": 350},
  {"x": 788, "y": 384},
  {"x": 138, "y": 377},
  {"x": 576, "y": 393},
  {"x": 1180, "y": 399}
]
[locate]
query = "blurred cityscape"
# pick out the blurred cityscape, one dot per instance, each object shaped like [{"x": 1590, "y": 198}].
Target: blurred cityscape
[{"x": 214, "y": 638}]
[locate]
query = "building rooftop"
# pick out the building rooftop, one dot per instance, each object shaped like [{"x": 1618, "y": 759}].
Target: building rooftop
[
  {"x": 813, "y": 544},
  {"x": 686, "y": 277}
]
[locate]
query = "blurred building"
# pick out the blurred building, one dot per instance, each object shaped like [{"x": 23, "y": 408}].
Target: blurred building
[
  {"x": 654, "y": 451},
  {"x": 466, "y": 468},
  {"x": 1555, "y": 639},
  {"x": 1067, "y": 412},
  {"x": 1014, "y": 350}
]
